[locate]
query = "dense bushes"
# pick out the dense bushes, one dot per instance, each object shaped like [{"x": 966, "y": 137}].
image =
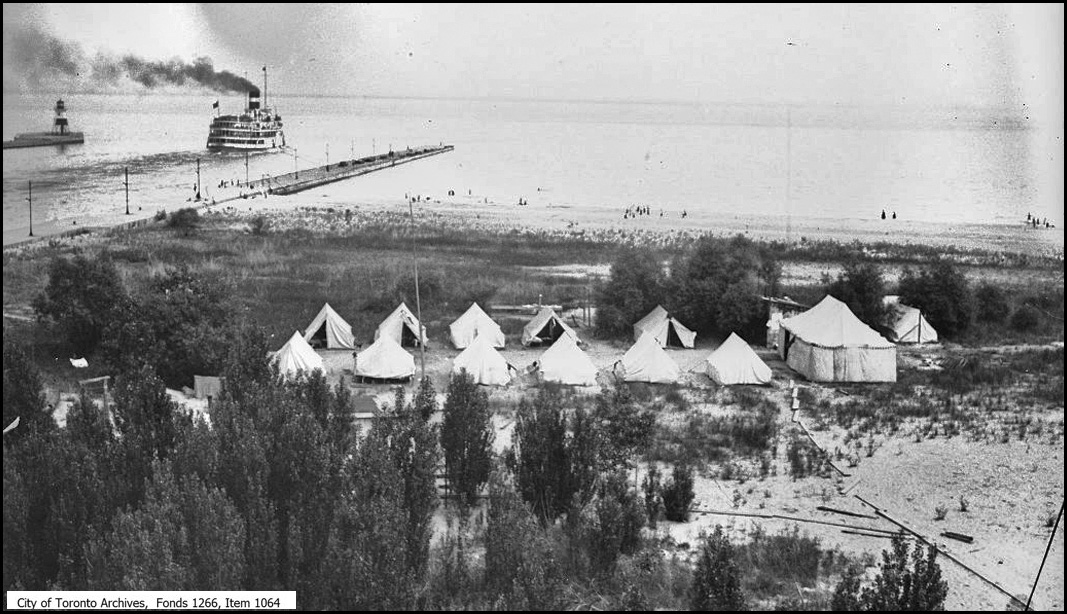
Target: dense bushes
[
  {"x": 860, "y": 286},
  {"x": 82, "y": 297},
  {"x": 714, "y": 287},
  {"x": 634, "y": 287},
  {"x": 1026, "y": 318},
  {"x": 899, "y": 586},
  {"x": 717, "y": 581},
  {"x": 942, "y": 293},
  {"x": 991, "y": 304}
]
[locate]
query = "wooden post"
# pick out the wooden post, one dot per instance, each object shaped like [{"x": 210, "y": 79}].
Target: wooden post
[
  {"x": 418, "y": 303},
  {"x": 126, "y": 183},
  {"x": 30, "y": 200}
]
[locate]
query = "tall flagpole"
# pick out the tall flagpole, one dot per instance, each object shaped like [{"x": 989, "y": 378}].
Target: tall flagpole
[{"x": 418, "y": 303}]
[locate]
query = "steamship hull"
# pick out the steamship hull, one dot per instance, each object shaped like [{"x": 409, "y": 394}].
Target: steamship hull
[{"x": 257, "y": 129}]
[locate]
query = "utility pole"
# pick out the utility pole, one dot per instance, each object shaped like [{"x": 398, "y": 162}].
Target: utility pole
[
  {"x": 352, "y": 149},
  {"x": 327, "y": 156},
  {"x": 29, "y": 199},
  {"x": 296, "y": 169},
  {"x": 126, "y": 183},
  {"x": 418, "y": 303},
  {"x": 198, "y": 178},
  {"x": 246, "y": 166},
  {"x": 1047, "y": 548}
]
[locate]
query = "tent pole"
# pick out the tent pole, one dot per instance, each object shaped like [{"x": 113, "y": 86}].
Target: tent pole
[{"x": 418, "y": 303}]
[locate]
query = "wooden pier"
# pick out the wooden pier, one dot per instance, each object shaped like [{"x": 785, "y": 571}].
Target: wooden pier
[{"x": 298, "y": 181}]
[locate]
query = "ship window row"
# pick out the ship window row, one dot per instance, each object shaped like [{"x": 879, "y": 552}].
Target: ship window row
[
  {"x": 244, "y": 133},
  {"x": 214, "y": 141}
]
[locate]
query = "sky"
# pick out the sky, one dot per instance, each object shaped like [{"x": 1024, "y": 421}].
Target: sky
[{"x": 1005, "y": 56}]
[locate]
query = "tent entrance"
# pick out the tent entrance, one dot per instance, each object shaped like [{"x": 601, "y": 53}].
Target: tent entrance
[
  {"x": 672, "y": 337},
  {"x": 318, "y": 340},
  {"x": 550, "y": 332},
  {"x": 408, "y": 338}
]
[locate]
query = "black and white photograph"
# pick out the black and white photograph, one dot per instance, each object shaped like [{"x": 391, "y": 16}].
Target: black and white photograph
[{"x": 533, "y": 306}]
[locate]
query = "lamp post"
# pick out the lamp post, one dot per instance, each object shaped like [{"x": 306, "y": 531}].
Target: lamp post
[{"x": 29, "y": 199}]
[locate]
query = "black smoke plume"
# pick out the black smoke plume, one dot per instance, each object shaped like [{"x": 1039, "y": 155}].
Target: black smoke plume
[{"x": 40, "y": 58}]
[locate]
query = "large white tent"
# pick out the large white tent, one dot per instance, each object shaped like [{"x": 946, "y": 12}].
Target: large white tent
[
  {"x": 734, "y": 362},
  {"x": 384, "y": 359},
  {"x": 664, "y": 329},
  {"x": 296, "y": 356},
  {"x": 646, "y": 361},
  {"x": 484, "y": 363},
  {"x": 403, "y": 327},
  {"x": 828, "y": 343},
  {"x": 908, "y": 324},
  {"x": 475, "y": 323},
  {"x": 330, "y": 329},
  {"x": 546, "y": 327},
  {"x": 566, "y": 363}
]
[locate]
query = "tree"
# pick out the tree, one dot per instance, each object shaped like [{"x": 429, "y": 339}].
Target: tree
[
  {"x": 634, "y": 287},
  {"x": 81, "y": 297},
  {"x": 678, "y": 494},
  {"x": 717, "y": 286},
  {"x": 991, "y": 304},
  {"x": 1026, "y": 318},
  {"x": 624, "y": 428},
  {"x": 413, "y": 443},
  {"x": 717, "y": 581},
  {"x": 611, "y": 523},
  {"x": 467, "y": 437},
  {"x": 23, "y": 395},
  {"x": 540, "y": 456},
  {"x": 861, "y": 287},
  {"x": 941, "y": 292},
  {"x": 899, "y": 586}
]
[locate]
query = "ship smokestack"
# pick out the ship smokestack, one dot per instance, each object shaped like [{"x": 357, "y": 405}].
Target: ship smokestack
[{"x": 253, "y": 98}]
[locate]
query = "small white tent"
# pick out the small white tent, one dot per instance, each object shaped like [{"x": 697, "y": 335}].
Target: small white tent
[
  {"x": 475, "y": 323},
  {"x": 546, "y": 327},
  {"x": 484, "y": 363},
  {"x": 665, "y": 329},
  {"x": 828, "y": 343},
  {"x": 734, "y": 362},
  {"x": 384, "y": 359},
  {"x": 566, "y": 363},
  {"x": 646, "y": 361},
  {"x": 908, "y": 324},
  {"x": 403, "y": 327},
  {"x": 295, "y": 356},
  {"x": 330, "y": 330}
]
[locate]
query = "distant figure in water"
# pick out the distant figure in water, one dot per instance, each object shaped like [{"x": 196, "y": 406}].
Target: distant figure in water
[
  {"x": 883, "y": 214},
  {"x": 1027, "y": 216},
  {"x": 894, "y": 215},
  {"x": 684, "y": 213}
]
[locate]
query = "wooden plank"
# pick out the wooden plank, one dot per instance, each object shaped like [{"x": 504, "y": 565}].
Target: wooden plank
[
  {"x": 823, "y": 508},
  {"x": 967, "y": 539}
]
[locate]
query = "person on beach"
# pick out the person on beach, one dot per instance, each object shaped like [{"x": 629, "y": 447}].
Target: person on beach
[
  {"x": 894, "y": 215},
  {"x": 883, "y": 214},
  {"x": 684, "y": 213}
]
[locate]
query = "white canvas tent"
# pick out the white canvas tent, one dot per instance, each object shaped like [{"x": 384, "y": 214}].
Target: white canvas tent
[
  {"x": 908, "y": 324},
  {"x": 330, "y": 329},
  {"x": 475, "y": 323},
  {"x": 484, "y": 363},
  {"x": 546, "y": 327},
  {"x": 828, "y": 343},
  {"x": 403, "y": 327},
  {"x": 384, "y": 359},
  {"x": 566, "y": 363},
  {"x": 734, "y": 362},
  {"x": 646, "y": 361},
  {"x": 295, "y": 356},
  {"x": 664, "y": 329}
]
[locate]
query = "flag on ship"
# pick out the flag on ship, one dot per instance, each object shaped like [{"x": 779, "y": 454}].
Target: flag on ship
[{"x": 215, "y": 104}]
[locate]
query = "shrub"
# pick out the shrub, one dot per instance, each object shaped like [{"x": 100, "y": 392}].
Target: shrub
[
  {"x": 941, "y": 292},
  {"x": 678, "y": 494},
  {"x": 940, "y": 512},
  {"x": 860, "y": 286},
  {"x": 82, "y": 297},
  {"x": 186, "y": 219},
  {"x": 1026, "y": 318},
  {"x": 717, "y": 581},
  {"x": 259, "y": 225},
  {"x": 991, "y": 304},
  {"x": 160, "y": 215},
  {"x": 899, "y": 586},
  {"x": 633, "y": 288}
]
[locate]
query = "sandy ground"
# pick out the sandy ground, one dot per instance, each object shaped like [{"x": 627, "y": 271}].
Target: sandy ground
[{"x": 1010, "y": 488}]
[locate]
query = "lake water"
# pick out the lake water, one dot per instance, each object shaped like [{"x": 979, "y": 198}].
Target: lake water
[{"x": 820, "y": 162}]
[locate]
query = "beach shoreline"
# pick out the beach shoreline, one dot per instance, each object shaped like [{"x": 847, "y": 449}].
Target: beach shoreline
[{"x": 546, "y": 216}]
